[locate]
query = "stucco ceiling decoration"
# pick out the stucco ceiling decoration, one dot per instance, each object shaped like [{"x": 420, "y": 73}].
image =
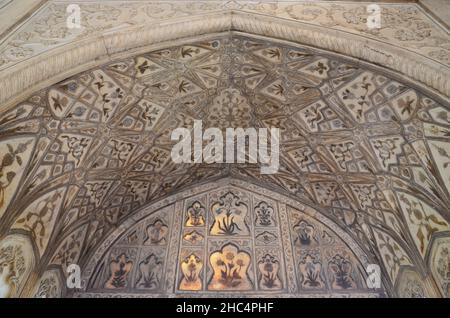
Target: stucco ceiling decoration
[
  {"x": 42, "y": 50},
  {"x": 369, "y": 152}
]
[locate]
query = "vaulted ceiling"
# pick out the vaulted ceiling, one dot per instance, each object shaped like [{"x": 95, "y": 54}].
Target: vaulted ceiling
[{"x": 366, "y": 147}]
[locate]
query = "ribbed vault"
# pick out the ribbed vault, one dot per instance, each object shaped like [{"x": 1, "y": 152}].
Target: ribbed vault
[{"x": 367, "y": 149}]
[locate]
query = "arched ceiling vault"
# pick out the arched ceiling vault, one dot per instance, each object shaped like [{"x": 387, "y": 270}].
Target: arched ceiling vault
[
  {"x": 86, "y": 115},
  {"x": 273, "y": 231},
  {"x": 368, "y": 151}
]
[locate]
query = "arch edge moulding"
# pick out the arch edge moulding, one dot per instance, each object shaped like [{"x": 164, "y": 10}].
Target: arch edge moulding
[{"x": 52, "y": 66}]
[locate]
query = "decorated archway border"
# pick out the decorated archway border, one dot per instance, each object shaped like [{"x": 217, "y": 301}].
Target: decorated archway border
[
  {"x": 89, "y": 267},
  {"x": 17, "y": 82}
]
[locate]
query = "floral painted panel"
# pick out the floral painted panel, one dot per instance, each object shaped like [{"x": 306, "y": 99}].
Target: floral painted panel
[
  {"x": 218, "y": 263},
  {"x": 39, "y": 218},
  {"x": 49, "y": 286},
  {"x": 412, "y": 285},
  {"x": 423, "y": 221},
  {"x": 406, "y": 23},
  {"x": 14, "y": 156},
  {"x": 440, "y": 264},
  {"x": 17, "y": 260}
]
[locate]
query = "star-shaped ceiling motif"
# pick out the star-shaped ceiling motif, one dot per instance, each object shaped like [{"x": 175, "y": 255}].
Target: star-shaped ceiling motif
[{"x": 369, "y": 151}]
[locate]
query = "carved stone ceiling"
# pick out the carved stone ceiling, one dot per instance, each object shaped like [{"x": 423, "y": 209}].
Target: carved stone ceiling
[
  {"x": 367, "y": 150},
  {"x": 365, "y": 147}
]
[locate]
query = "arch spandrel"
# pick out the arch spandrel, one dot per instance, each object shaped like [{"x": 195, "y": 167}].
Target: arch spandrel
[
  {"x": 315, "y": 260},
  {"x": 366, "y": 150},
  {"x": 439, "y": 264}
]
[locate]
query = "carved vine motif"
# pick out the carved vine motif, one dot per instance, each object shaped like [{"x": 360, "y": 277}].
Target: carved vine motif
[
  {"x": 359, "y": 94},
  {"x": 12, "y": 267},
  {"x": 48, "y": 288},
  {"x": 110, "y": 94},
  {"x": 121, "y": 150},
  {"x": 444, "y": 154},
  {"x": 305, "y": 233},
  {"x": 70, "y": 249},
  {"x": 313, "y": 115},
  {"x": 36, "y": 221},
  {"x": 393, "y": 255},
  {"x": 342, "y": 152},
  {"x": 77, "y": 146},
  {"x": 399, "y": 23},
  {"x": 191, "y": 267},
  {"x": 150, "y": 114},
  {"x": 303, "y": 156},
  {"x": 426, "y": 223},
  {"x": 97, "y": 191},
  {"x": 365, "y": 194},
  {"x": 386, "y": 149}
]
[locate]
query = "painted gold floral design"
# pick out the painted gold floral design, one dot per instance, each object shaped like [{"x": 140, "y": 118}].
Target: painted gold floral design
[
  {"x": 230, "y": 269},
  {"x": 191, "y": 267}
]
